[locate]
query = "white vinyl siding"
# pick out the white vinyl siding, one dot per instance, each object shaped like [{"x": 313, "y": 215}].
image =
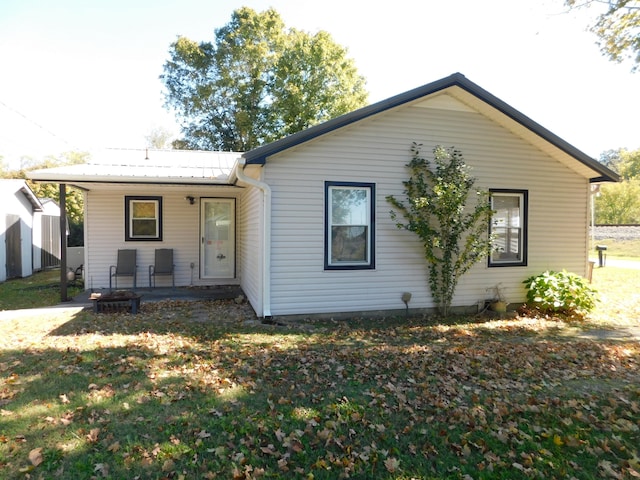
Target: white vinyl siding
[
  {"x": 17, "y": 211},
  {"x": 250, "y": 241},
  {"x": 376, "y": 150},
  {"x": 105, "y": 234}
]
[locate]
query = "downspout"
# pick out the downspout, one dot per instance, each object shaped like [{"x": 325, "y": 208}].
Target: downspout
[{"x": 266, "y": 240}]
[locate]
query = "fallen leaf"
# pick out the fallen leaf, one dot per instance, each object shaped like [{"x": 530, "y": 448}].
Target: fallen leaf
[
  {"x": 391, "y": 464},
  {"x": 268, "y": 450},
  {"x": 35, "y": 457},
  {"x": 283, "y": 465},
  {"x": 92, "y": 436},
  {"x": 168, "y": 465},
  {"x": 102, "y": 468}
]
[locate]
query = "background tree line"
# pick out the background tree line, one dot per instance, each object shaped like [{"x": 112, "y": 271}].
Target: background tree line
[
  {"x": 74, "y": 197},
  {"x": 619, "y": 203}
]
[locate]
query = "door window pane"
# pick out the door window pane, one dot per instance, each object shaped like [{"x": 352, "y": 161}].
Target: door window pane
[{"x": 218, "y": 238}]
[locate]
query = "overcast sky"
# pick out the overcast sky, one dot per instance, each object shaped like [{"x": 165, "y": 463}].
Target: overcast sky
[{"x": 83, "y": 74}]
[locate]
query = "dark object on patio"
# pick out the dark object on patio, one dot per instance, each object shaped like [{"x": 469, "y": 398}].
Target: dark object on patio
[
  {"x": 126, "y": 267},
  {"x": 163, "y": 266},
  {"x": 118, "y": 301}
]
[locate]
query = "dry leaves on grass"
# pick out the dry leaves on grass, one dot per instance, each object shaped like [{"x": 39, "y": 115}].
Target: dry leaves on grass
[{"x": 169, "y": 392}]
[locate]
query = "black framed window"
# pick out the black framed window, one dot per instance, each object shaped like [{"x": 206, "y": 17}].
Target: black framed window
[
  {"x": 349, "y": 226},
  {"x": 143, "y": 218},
  {"x": 509, "y": 227}
]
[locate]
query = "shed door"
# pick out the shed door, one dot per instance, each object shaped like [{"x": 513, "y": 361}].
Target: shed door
[
  {"x": 217, "y": 245},
  {"x": 14, "y": 247}
]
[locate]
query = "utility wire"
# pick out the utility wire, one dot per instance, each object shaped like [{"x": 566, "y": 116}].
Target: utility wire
[{"x": 46, "y": 130}]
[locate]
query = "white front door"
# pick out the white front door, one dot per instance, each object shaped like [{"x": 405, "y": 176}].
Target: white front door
[{"x": 217, "y": 245}]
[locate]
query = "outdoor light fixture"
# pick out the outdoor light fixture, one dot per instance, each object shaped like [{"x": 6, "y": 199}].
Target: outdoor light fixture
[
  {"x": 406, "y": 298},
  {"x": 190, "y": 199}
]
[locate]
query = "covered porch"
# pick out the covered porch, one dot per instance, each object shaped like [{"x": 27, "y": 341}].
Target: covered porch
[{"x": 188, "y": 203}]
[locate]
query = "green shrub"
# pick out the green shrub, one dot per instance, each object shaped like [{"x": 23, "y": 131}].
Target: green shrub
[{"x": 560, "y": 293}]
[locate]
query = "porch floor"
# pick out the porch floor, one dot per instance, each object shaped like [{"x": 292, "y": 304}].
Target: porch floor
[{"x": 221, "y": 292}]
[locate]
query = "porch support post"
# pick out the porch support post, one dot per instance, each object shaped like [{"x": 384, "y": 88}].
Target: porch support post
[{"x": 63, "y": 242}]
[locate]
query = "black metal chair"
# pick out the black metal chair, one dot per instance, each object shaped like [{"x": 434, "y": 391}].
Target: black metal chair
[
  {"x": 126, "y": 267},
  {"x": 163, "y": 266}
]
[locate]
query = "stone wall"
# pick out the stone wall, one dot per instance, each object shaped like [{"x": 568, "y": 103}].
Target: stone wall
[{"x": 616, "y": 232}]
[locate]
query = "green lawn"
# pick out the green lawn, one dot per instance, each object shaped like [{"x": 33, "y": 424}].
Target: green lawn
[
  {"x": 39, "y": 290},
  {"x": 202, "y": 390},
  {"x": 619, "y": 249}
]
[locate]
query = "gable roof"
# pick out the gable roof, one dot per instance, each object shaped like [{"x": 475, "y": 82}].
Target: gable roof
[
  {"x": 15, "y": 185},
  {"x": 468, "y": 92}
]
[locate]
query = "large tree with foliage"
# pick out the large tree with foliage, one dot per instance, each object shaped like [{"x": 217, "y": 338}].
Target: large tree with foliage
[
  {"x": 619, "y": 203},
  {"x": 624, "y": 162},
  {"x": 452, "y": 227},
  {"x": 159, "y": 137},
  {"x": 257, "y": 82},
  {"x": 617, "y": 28}
]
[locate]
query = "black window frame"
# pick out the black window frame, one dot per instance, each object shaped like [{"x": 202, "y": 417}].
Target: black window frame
[
  {"x": 524, "y": 220},
  {"x": 128, "y": 234},
  {"x": 371, "y": 264}
]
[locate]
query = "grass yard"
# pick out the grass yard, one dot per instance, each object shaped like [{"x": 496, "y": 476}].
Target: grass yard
[
  {"x": 200, "y": 390},
  {"x": 619, "y": 249},
  {"x": 39, "y": 290}
]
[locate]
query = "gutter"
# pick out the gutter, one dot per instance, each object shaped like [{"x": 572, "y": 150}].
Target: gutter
[{"x": 238, "y": 171}]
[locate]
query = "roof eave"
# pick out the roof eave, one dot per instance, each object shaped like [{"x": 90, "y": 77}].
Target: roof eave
[
  {"x": 73, "y": 179},
  {"x": 605, "y": 178},
  {"x": 35, "y": 201}
]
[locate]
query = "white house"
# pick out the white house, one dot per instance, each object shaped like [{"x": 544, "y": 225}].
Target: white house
[
  {"x": 302, "y": 224},
  {"x": 18, "y": 207}
]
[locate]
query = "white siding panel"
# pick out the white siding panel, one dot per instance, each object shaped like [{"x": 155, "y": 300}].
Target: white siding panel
[
  {"x": 250, "y": 230},
  {"x": 14, "y": 202},
  {"x": 105, "y": 235},
  {"x": 377, "y": 150}
]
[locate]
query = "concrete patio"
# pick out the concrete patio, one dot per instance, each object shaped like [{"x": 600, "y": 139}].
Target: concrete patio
[{"x": 219, "y": 292}]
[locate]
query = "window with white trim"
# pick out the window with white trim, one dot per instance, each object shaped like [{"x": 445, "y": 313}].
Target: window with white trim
[
  {"x": 143, "y": 218},
  {"x": 349, "y": 226},
  {"x": 509, "y": 227}
]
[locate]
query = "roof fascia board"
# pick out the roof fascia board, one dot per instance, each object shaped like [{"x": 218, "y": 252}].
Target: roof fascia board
[
  {"x": 35, "y": 201},
  {"x": 62, "y": 178}
]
